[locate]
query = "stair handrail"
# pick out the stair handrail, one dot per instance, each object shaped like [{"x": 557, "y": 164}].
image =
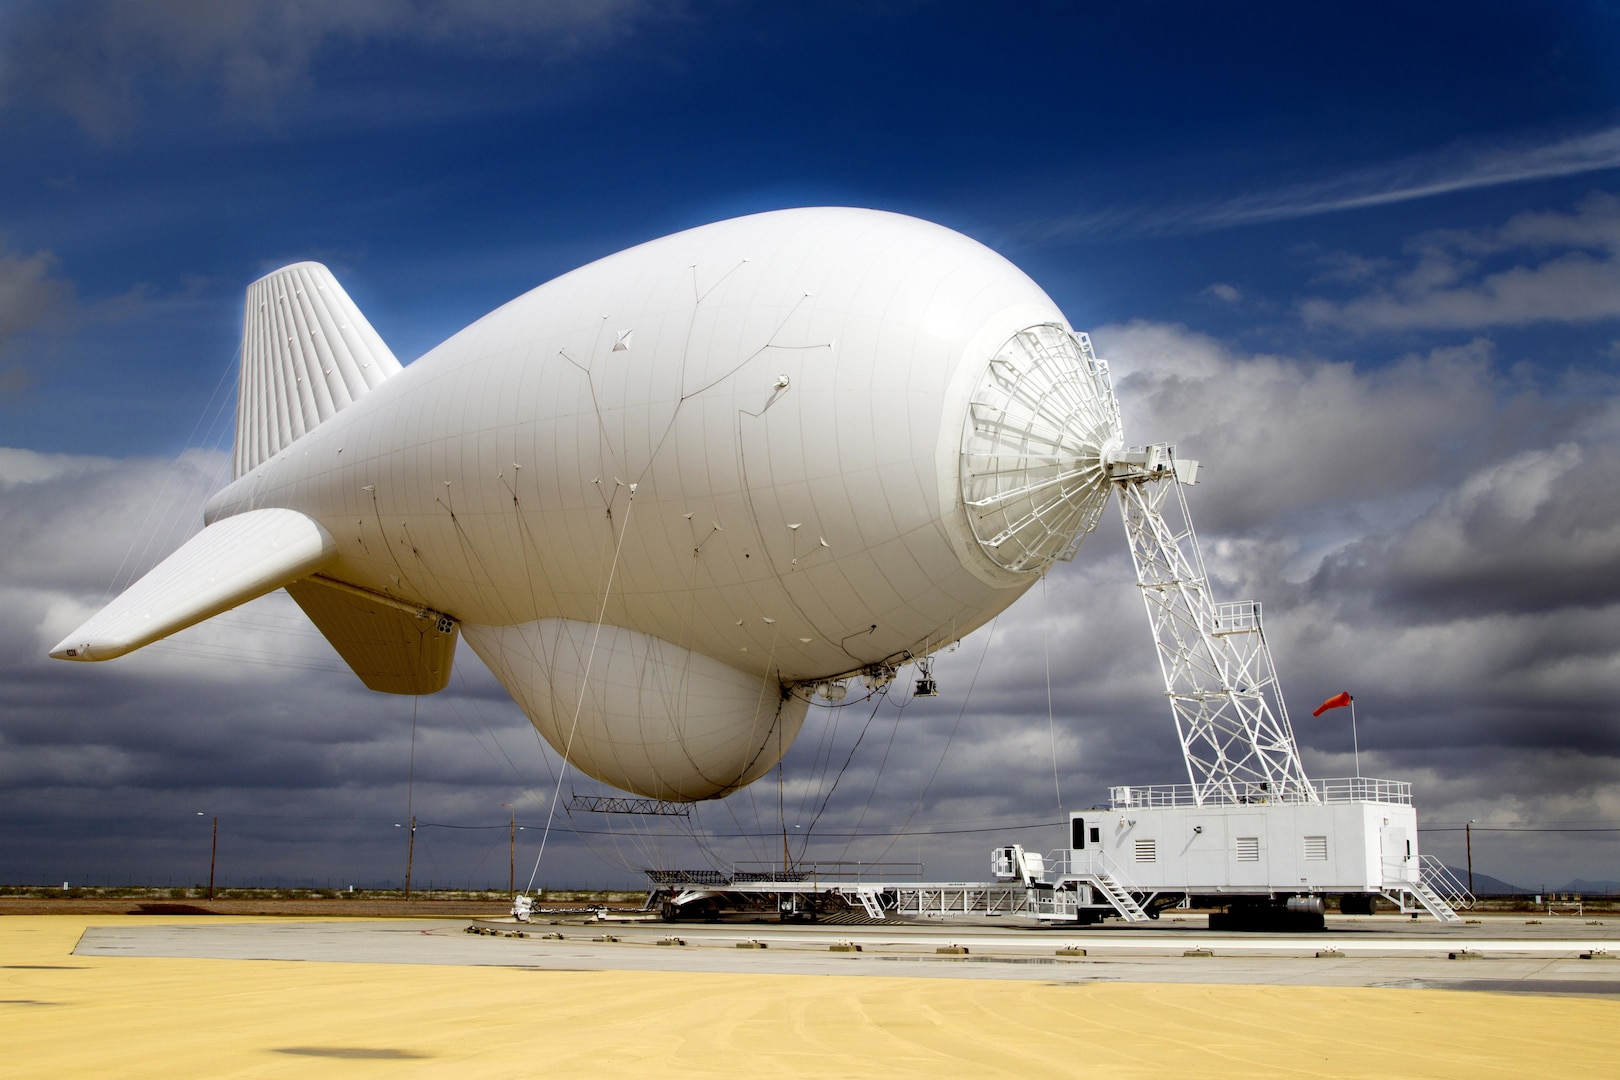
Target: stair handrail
[{"x": 1439, "y": 877}]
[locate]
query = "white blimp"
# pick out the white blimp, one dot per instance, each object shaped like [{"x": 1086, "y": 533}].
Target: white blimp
[{"x": 668, "y": 497}]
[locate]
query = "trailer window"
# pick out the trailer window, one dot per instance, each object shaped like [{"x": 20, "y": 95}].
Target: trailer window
[{"x": 1077, "y": 832}]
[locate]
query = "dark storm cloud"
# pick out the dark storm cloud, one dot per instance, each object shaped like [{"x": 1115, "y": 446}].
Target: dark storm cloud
[{"x": 1537, "y": 532}]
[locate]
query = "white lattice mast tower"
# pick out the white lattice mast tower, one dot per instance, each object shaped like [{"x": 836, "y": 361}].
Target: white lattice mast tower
[
  {"x": 1218, "y": 675},
  {"x": 1041, "y": 449}
]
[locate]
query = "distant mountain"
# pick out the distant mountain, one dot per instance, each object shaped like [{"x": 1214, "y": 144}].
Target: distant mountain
[{"x": 1486, "y": 885}]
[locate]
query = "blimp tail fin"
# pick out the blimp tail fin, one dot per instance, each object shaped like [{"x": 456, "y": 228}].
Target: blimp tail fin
[
  {"x": 228, "y": 563},
  {"x": 307, "y": 352}
]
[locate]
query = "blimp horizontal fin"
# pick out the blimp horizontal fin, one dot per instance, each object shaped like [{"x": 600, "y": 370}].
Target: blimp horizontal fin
[
  {"x": 394, "y": 647},
  {"x": 228, "y": 563},
  {"x": 307, "y": 353}
]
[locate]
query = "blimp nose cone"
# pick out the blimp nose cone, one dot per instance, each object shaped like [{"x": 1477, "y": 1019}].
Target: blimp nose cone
[{"x": 1039, "y": 426}]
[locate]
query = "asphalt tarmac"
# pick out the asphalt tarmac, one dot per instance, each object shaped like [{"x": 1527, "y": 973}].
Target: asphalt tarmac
[{"x": 131, "y": 996}]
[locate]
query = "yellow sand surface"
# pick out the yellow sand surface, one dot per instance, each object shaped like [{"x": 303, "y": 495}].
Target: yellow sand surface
[{"x": 68, "y": 1016}]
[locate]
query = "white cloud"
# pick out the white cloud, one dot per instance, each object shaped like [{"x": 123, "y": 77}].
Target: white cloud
[
  {"x": 1285, "y": 438},
  {"x": 1570, "y": 272},
  {"x": 1444, "y": 171},
  {"x": 1461, "y": 167},
  {"x": 29, "y": 290},
  {"x": 31, "y": 297},
  {"x": 85, "y": 523},
  {"x": 30, "y": 293}
]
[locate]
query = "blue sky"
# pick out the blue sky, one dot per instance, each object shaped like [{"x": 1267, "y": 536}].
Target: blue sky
[
  {"x": 1379, "y": 243},
  {"x": 1112, "y": 153}
]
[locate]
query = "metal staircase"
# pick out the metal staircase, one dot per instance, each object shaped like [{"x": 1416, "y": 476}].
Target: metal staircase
[
  {"x": 1116, "y": 894},
  {"x": 1434, "y": 888},
  {"x": 872, "y": 900},
  {"x": 1410, "y": 896},
  {"x": 1096, "y": 869}
]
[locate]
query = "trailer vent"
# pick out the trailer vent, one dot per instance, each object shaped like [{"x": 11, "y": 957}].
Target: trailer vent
[
  {"x": 1316, "y": 849},
  {"x": 1147, "y": 850},
  {"x": 1248, "y": 849}
]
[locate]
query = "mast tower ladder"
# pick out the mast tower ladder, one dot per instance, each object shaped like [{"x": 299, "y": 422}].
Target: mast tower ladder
[{"x": 1217, "y": 668}]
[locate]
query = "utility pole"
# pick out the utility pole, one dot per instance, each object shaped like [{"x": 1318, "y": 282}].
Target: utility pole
[
  {"x": 213, "y": 858},
  {"x": 511, "y": 860},
  {"x": 410, "y": 854},
  {"x": 1468, "y": 833}
]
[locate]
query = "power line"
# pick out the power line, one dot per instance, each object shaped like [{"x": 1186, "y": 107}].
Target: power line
[{"x": 1524, "y": 828}]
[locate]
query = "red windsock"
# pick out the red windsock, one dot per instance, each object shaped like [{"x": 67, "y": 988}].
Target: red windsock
[{"x": 1337, "y": 701}]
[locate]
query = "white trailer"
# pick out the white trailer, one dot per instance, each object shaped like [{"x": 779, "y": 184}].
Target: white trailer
[
  {"x": 1270, "y": 862},
  {"x": 1250, "y": 831}
]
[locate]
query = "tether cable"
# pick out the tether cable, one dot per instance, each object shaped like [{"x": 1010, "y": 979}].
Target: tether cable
[{"x": 584, "y": 684}]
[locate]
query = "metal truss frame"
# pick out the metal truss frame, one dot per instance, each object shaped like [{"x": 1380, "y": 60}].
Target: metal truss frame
[
  {"x": 613, "y": 804},
  {"x": 1218, "y": 675}
]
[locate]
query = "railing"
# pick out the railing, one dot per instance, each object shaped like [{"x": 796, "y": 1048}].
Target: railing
[
  {"x": 1438, "y": 876},
  {"x": 687, "y": 877},
  {"x": 832, "y": 870},
  {"x": 1006, "y": 898},
  {"x": 1401, "y": 871},
  {"x": 1055, "y": 905},
  {"x": 1236, "y": 617},
  {"x": 1339, "y": 790},
  {"x": 1091, "y": 860},
  {"x": 1363, "y": 789},
  {"x": 1107, "y": 877},
  {"x": 749, "y": 873},
  {"x": 1098, "y": 861}
]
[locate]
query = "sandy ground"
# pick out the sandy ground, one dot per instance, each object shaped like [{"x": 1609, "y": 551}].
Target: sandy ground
[{"x": 67, "y": 1014}]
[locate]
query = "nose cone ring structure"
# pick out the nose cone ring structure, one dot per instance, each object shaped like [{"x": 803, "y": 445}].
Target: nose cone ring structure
[{"x": 1041, "y": 426}]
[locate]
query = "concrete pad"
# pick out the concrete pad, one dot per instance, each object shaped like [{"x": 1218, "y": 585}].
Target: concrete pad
[
  {"x": 93, "y": 1014},
  {"x": 889, "y": 950}
]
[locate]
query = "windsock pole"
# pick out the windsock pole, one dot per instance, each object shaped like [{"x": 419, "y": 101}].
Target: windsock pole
[{"x": 1355, "y": 740}]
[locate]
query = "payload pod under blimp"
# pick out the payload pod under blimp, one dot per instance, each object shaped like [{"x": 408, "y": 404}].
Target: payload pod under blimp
[{"x": 667, "y": 497}]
